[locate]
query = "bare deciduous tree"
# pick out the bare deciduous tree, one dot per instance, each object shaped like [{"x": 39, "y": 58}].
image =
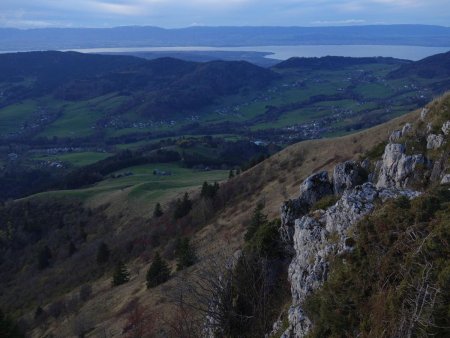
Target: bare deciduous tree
[{"x": 224, "y": 297}]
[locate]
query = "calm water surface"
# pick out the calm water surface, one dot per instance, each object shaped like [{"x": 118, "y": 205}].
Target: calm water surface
[{"x": 285, "y": 52}]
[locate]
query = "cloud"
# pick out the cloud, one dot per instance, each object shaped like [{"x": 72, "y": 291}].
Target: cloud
[
  {"x": 119, "y": 9},
  {"x": 339, "y": 22},
  {"x": 399, "y": 3}
]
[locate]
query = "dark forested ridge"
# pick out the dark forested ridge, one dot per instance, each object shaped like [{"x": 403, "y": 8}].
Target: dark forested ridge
[
  {"x": 166, "y": 85},
  {"x": 60, "y": 66},
  {"x": 169, "y": 86},
  {"x": 435, "y": 66},
  {"x": 335, "y": 62}
]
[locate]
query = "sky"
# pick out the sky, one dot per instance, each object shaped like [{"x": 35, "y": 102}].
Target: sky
[{"x": 184, "y": 13}]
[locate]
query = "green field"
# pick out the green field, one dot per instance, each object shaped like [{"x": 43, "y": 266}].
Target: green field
[
  {"x": 142, "y": 188},
  {"x": 76, "y": 159},
  {"x": 14, "y": 116},
  {"x": 362, "y": 81},
  {"x": 78, "y": 118}
]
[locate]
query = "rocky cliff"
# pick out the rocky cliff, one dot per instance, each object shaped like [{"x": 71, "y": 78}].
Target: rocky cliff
[{"x": 415, "y": 157}]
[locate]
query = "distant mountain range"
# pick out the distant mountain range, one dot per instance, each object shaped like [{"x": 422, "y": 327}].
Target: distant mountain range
[
  {"x": 162, "y": 86},
  {"x": 168, "y": 85},
  {"x": 135, "y": 36}
]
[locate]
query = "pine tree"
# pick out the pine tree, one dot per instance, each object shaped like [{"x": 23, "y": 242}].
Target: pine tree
[
  {"x": 102, "y": 253},
  {"x": 209, "y": 190},
  {"x": 8, "y": 328},
  {"x": 187, "y": 204},
  {"x": 72, "y": 248},
  {"x": 44, "y": 257},
  {"x": 158, "y": 210},
  {"x": 257, "y": 220},
  {"x": 231, "y": 174},
  {"x": 158, "y": 272},
  {"x": 185, "y": 254},
  {"x": 182, "y": 207},
  {"x": 121, "y": 274},
  {"x": 205, "y": 189}
]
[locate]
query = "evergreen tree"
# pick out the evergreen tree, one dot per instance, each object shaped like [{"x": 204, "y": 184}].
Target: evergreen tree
[
  {"x": 187, "y": 204},
  {"x": 258, "y": 219},
  {"x": 266, "y": 241},
  {"x": 44, "y": 257},
  {"x": 182, "y": 207},
  {"x": 8, "y": 329},
  {"x": 205, "y": 189},
  {"x": 231, "y": 174},
  {"x": 72, "y": 248},
  {"x": 103, "y": 253},
  {"x": 158, "y": 210},
  {"x": 39, "y": 312},
  {"x": 158, "y": 272},
  {"x": 185, "y": 254},
  {"x": 121, "y": 274},
  {"x": 209, "y": 190}
]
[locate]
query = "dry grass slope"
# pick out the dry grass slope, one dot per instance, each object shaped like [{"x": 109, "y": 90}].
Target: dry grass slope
[{"x": 272, "y": 181}]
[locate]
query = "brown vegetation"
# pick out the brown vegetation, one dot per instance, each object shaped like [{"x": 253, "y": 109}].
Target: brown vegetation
[{"x": 209, "y": 232}]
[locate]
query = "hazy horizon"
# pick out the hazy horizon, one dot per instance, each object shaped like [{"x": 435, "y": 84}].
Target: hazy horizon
[
  {"x": 177, "y": 14},
  {"x": 226, "y": 26}
]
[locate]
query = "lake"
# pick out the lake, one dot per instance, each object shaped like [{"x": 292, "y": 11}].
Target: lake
[{"x": 285, "y": 52}]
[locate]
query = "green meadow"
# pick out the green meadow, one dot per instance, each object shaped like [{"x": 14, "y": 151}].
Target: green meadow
[{"x": 142, "y": 188}]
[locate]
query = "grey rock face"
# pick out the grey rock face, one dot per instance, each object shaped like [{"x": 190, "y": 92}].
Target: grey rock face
[
  {"x": 315, "y": 187},
  {"x": 396, "y": 168},
  {"x": 439, "y": 167},
  {"x": 365, "y": 164},
  {"x": 347, "y": 175},
  {"x": 423, "y": 114},
  {"x": 395, "y": 136},
  {"x": 312, "y": 189},
  {"x": 445, "y": 179},
  {"x": 406, "y": 129},
  {"x": 435, "y": 141},
  {"x": 290, "y": 211},
  {"x": 325, "y": 233},
  {"x": 398, "y": 134},
  {"x": 446, "y": 128}
]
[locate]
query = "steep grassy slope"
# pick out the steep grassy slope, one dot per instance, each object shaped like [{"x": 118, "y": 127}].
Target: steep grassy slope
[{"x": 272, "y": 181}]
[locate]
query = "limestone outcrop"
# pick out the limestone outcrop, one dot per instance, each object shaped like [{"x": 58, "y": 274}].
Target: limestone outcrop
[
  {"x": 312, "y": 189},
  {"x": 348, "y": 175},
  {"x": 315, "y": 236},
  {"x": 435, "y": 141},
  {"x": 325, "y": 233},
  {"x": 397, "y": 168},
  {"x": 446, "y": 128}
]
